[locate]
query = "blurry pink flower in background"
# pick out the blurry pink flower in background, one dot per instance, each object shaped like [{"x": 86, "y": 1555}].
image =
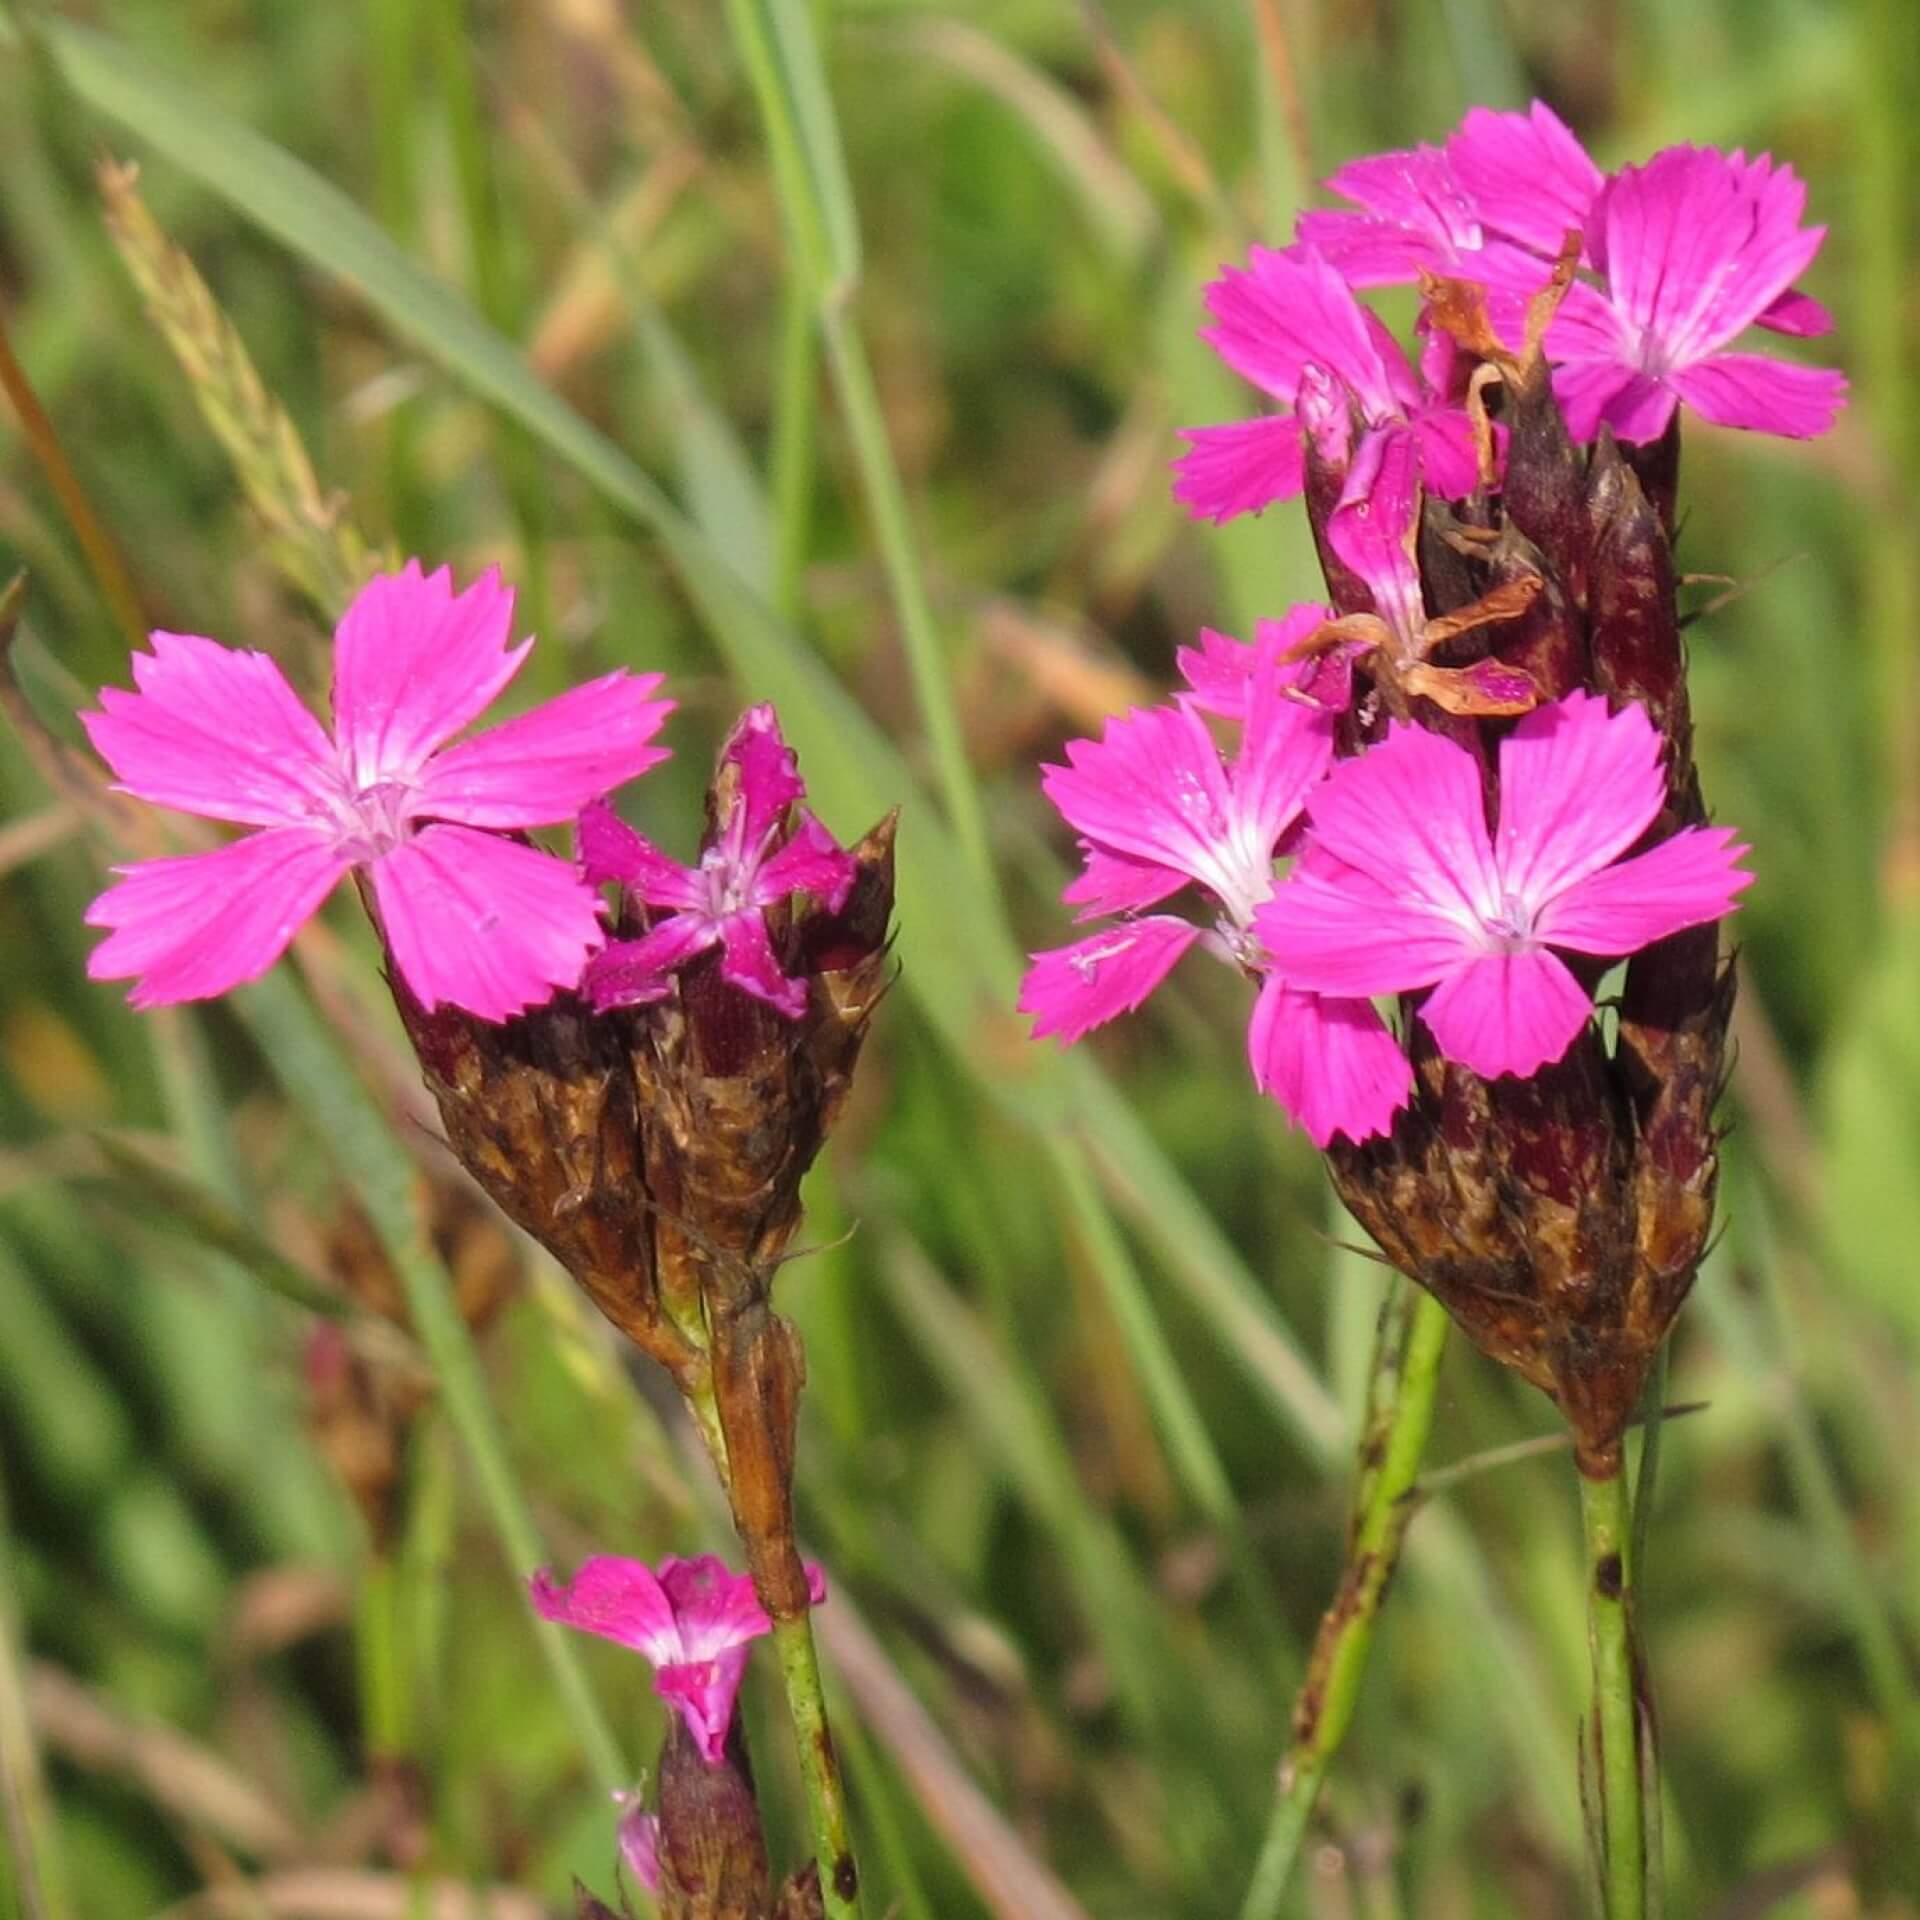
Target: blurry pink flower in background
[
  {"x": 1288, "y": 320},
  {"x": 1159, "y": 809},
  {"x": 1402, "y": 887},
  {"x": 693, "y": 1620},
  {"x": 639, "y": 1838},
  {"x": 752, "y": 863},
  {"x": 471, "y": 918}
]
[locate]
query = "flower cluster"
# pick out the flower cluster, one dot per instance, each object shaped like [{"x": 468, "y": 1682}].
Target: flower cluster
[
  {"x": 1478, "y": 773},
  {"x": 473, "y": 916}
]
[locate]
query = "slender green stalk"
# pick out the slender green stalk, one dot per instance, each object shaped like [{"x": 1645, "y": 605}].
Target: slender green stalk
[
  {"x": 776, "y": 39},
  {"x": 790, "y": 459},
  {"x": 1615, "y": 1746},
  {"x": 378, "y": 1643},
  {"x": 1406, "y": 1371},
  {"x": 819, "y": 1768}
]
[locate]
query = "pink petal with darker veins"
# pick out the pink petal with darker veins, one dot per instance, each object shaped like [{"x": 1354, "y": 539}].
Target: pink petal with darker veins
[
  {"x": 1525, "y": 175},
  {"x": 609, "y": 849},
  {"x": 1151, "y": 787},
  {"x": 1351, "y": 938},
  {"x": 1763, "y": 395},
  {"x": 1685, "y": 881},
  {"x": 217, "y": 732},
  {"x": 769, "y": 774},
  {"x": 748, "y": 961},
  {"x": 1635, "y": 405},
  {"x": 1240, "y": 468},
  {"x": 618, "y": 1599},
  {"x": 1578, "y": 786},
  {"x": 1798, "y": 315},
  {"x": 812, "y": 861},
  {"x": 544, "y": 766},
  {"x": 1288, "y": 311},
  {"x": 414, "y": 662},
  {"x": 483, "y": 923},
  {"x": 1408, "y": 815},
  {"x": 198, "y": 925},
  {"x": 1113, "y": 883},
  {"x": 1507, "y": 1012},
  {"x": 1372, "y": 526},
  {"x": 1220, "y": 669},
  {"x": 1333, "y": 1065},
  {"x": 1072, "y": 990},
  {"x": 631, "y": 973}
]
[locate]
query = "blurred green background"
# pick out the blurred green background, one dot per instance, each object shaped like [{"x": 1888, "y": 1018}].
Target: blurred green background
[{"x": 1083, "y": 1381}]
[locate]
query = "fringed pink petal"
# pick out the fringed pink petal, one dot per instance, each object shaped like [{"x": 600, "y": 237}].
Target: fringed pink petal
[
  {"x": 217, "y": 732},
  {"x": 1635, "y": 405},
  {"x": 616, "y": 1598},
  {"x": 485, "y": 924},
  {"x": 1286, "y": 747},
  {"x": 1219, "y": 670},
  {"x": 1114, "y": 883},
  {"x": 198, "y": 925},
  {"x": 1507, "y": 1013},
  {"x": 1684, "y": 882},
  {"x": 1578, "y": 786},
  {"x": 748, "y": 961},
  {"x": 1072, "y": 990},
  {"x": 1287, "y": 311},
  {"x": 630, "y": 973},
  {"x": 546, "y": 765},
  {"x": 1328, "y": 929},
  {"x": 768, "y": 774},
  {"x": 609, "y": 849},
  {"x": 1763, "y": 395},
  {"x": 1525, "y": 175},
  {"x": 1240, "y": 468},
  {"x": 1332, "y": 1065},
  {"x": 1408, "y": 815},
  {"x": 1151, "y": 787},
  {"x": 1797, "y": 315},
  {"x": 812, "y": 861},
  {"x": 414, "y": 662}
]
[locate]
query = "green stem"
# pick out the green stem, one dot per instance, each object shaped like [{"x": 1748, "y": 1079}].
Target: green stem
[
  {"x": 779, "y": 46},
  {"x": 791, "y": 458},
  {"x": 377, "y": 1639},
  {"x": 819, "y": 1768},
  {"x": 1614, "y": 1745},
  {"x": 1406, "y": 1371}
]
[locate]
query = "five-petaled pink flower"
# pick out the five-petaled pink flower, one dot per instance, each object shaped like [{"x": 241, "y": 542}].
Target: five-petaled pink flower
[
  {"x": 1290, "y": 324},
  {"x": 472, "y": 918},
  {"x": 765, "y": 848},
  {"x": 1402, "y": 887},
  {"x": 693, "y": 1620},
  {"x": 1696, "y": 247},
  {"x": 1158, "y": 809}
]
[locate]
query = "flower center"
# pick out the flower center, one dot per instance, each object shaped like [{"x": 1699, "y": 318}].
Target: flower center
[
  {"x": 1510, "y": 929},
  {"x": 377, "y": 818}
]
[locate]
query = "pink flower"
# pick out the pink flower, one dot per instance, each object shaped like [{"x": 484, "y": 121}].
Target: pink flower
[
  {"x": 471, "y": 918},
  {"x": 1158, "y": 810},
  {"x": 693, "y": 1621},
  {"x": 753, "y": 861},
  {"x": 1403, "y": 888},
  {"x": 1288, "y": 322},
  {"x": 1697, "y": 246}
]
